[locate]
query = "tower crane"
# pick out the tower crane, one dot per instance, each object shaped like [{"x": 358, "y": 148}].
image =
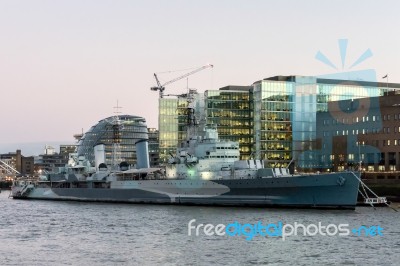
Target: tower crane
[{"x": 161, "y": 87}]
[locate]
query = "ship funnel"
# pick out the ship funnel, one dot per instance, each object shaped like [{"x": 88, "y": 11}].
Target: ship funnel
[
  {"x": 142, "y": 154},
  {"x": 99, "y": 155}
]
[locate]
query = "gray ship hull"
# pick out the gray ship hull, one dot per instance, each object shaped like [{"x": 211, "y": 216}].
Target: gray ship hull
[{"x": 335, "y": 190}]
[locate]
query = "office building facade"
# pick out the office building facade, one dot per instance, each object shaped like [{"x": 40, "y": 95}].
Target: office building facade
[
  {"x": 275, "y": 119},
  {"x": 362, "y": 134},
  {"x": 285, "y": 111},
  {"x": 230, "y": 109},
  {"x": 23, "y": 164},
  {"x": 172, "y": 120},
  {"x": 66, "y": 150}
]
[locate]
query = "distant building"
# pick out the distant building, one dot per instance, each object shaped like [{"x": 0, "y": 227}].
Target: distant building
[
  {"x": 125, "y": 135},
  {"x": 51, "y": 161},
  {"x": 27, "y": 165},
  {"x": 66, "y": 150},
  {"x": 48, "y": 163},
  {"x": 49, "y": 150},
  {"x": 24, "y": 165}
]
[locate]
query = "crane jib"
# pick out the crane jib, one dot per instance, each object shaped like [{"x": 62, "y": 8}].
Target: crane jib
[{"x": 161, "y": 88}]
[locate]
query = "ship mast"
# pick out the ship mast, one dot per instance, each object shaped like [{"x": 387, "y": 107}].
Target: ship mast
[
  {"x": 116, "y": 125},
  {"x": 191, "y": 121}
]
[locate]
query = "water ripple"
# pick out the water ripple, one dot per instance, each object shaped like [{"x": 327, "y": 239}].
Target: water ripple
[{"x": 76, "y": 233}]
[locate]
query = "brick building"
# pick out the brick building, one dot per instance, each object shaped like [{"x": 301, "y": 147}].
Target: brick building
[{"x": 362, "y": 132}]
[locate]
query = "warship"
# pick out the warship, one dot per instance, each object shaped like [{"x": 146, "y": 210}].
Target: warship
[{"x": 204, "y": 170}]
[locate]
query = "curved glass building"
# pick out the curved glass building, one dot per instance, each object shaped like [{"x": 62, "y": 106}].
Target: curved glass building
[{"x": 125, "y": 134}]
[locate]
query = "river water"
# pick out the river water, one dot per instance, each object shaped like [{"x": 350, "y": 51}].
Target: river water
[{"x": 76, "y": 233}]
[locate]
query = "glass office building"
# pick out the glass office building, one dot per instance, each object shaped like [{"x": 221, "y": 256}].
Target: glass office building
[
  {"x": 285, "y": 109},
  {"x": 132, "y": 129},
  {"x": 172, "y": 121},
  {"x": 230, "y": 109},
  {"x": 273, "y": 114},
  {"x": 274, "y": 119}
]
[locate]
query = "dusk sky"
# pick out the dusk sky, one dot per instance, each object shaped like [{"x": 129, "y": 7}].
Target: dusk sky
[{"x": 64, "y": 64}]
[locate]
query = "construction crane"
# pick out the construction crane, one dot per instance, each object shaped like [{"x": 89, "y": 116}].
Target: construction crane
[{"x": 161, "y": 87}]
